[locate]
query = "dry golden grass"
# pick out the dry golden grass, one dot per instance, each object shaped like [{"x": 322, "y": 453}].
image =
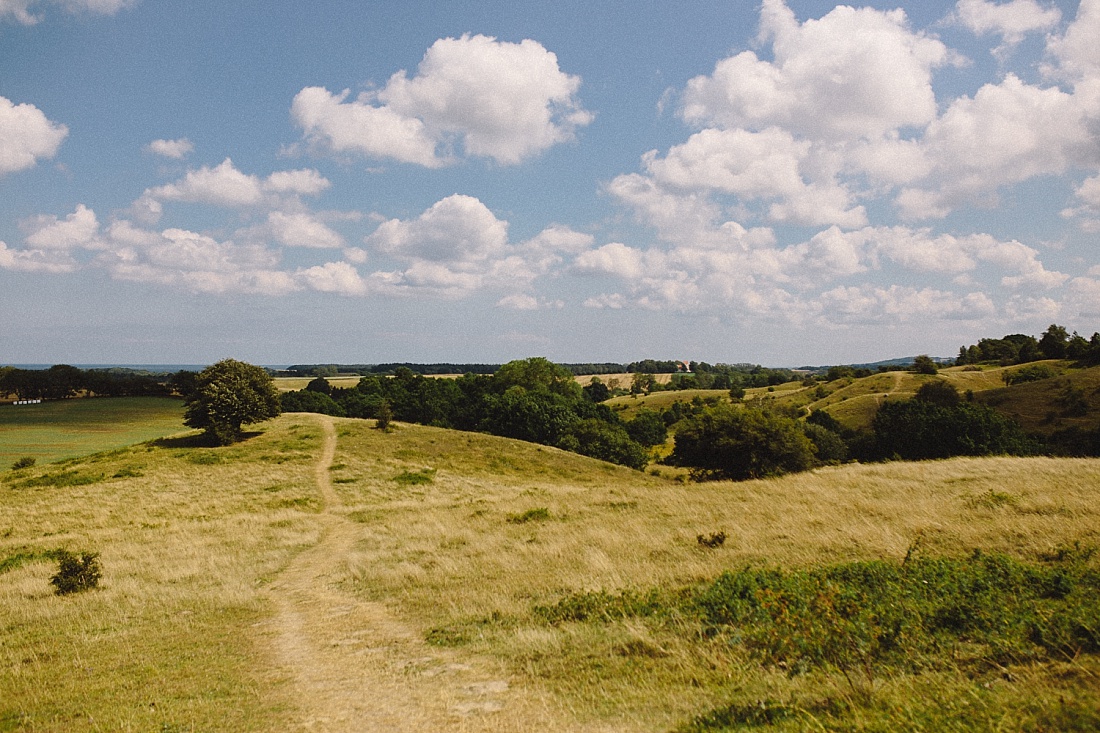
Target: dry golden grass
[
  {"x": 187, "y": 538},
  {"x": 452, "y": 538},
  {"x": 621, "y": 380},
  {"x": 293, "y": 384}
]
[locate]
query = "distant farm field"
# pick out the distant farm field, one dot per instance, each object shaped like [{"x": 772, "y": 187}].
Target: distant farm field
[
  {"x": 53, "y": 431},
  {"x": 292, "y": 384}
]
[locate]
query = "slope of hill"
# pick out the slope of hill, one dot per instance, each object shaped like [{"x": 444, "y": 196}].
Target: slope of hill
[{"x": 326, "y": 575}]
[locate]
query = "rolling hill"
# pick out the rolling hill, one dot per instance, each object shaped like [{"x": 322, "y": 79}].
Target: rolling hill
[{"x": 324, "y": 575}]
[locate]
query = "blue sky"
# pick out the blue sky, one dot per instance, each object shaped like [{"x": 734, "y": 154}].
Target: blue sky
[{"x": 784, "y": 183}]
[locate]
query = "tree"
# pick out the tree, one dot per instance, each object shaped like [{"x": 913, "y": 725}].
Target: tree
[
  {"x": 647, "y": 428},
  {"x": 230, "y": 394},
  {"x": 605, "y": 441},
  {"x": 1054, "y": 341},
  {"x": 917, "y": 430},
  {"x": 537, "y": 373},
  {"x": 727, "y": 442},
  {"x": 320, "y": 385},
  {"x": 308, "y": 400},
  {"x": 923, "y": 364},
  {"x": 938, "y": 392}
]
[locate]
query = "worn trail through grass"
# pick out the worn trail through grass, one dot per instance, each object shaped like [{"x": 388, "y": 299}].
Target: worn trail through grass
[{"x": 352, "y": 664}]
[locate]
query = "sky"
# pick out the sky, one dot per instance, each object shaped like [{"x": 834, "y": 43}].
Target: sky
[{"x": 780, "y": 182}]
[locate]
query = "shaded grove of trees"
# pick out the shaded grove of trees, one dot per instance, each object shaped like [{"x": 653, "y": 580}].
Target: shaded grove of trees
[
  {"x": 1017, "y": 348},
  {"x": 530, "y": 399},
  {"x": 62, "y": 381}
]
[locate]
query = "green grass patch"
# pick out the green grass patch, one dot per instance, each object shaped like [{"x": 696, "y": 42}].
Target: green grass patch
[
  {"x": 415, "y": 478},
  {"x": 53, "y": 431},
  {"x": 538, "y": 514}
]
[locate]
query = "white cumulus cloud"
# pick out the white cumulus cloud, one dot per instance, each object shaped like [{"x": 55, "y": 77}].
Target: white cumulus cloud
[
  {"x": 26, "y": 136},
  {"x": 176, "y": 149},
  {"x": 473, "y": 96}
]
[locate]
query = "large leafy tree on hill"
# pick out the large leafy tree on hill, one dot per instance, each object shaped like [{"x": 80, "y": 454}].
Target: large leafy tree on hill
[
  {"x": 228, "y": 395},
  {"x": 727, "y": 442}
]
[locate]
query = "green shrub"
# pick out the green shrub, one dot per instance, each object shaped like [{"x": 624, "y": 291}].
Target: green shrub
[
  {"x": 75, "y": 574},
  {"x": 415, "y": 478},
  {"x": 24, "y": 462},
  {"x": 538, "y": 514}
]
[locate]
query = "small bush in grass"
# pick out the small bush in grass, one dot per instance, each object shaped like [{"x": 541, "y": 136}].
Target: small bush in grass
[
  {"x": 24, "y": 462},
  {"x": 531, "y": 515},
  {"x": 713, "y": 540},
  {"x": 76, "y": 573},
  {"x": 415, "y": 478}
]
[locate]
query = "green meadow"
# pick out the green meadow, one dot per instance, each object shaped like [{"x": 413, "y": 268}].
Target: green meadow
[{"x": 52, "y": 431}]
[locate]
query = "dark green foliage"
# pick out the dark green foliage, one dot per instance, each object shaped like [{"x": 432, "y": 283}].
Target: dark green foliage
[
  {"x": 310, "y": 401},
  {"x": 1054, "y": 342},
  {"x": 829, "y": 447},
  {"x": 825, "y": 420},
  {"x": 923, "y": 364},
  {"x": 385, "y": 415},
  {"x": 916, "y": 430},
  {"x": 596, "y": 391},
  {"x": 938, "y": 392},
  {"x": 76, "y": 573},
  {"x": 647, "y": 428},
  {"x": 319, "y": 384},
  {"x": 62, "y": 381},
  {"x": 227, "y": 396},
  {"x": 1032, "y": 373},
  {"x": 726, "y": 442},
  {"x": 606, "y": 441},
  {"x": 23, "y": 462},
  {"x": 537, "y": 374}
]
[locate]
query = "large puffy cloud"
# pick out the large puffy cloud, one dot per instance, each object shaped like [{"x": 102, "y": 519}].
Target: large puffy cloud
[
  {"x": 504, "y": 101},
  {"x": 458, "y": 229},
  {"x": 766, "y": 165},
  {"x": 1007, "y": 133},
  {"x": 1075, "y": 51},
  {"x": 26, "y": 136},
  {"x": 853, "y": 73},
  {"x": 458, "y": 246}
]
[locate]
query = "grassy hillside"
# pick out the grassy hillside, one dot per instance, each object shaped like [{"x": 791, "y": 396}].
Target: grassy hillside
[
  {"x": 267, "y": 585},
  {"x": 854, "y": 401},
  {"x": 52, "y": 431},
  {"x": 1071, "y": 399}
]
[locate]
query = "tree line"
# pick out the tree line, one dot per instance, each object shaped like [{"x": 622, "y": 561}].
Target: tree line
[
  {"x": 528, "y": 399},
  {"x": 1018, "y": 348},
  {"x": 62, "y": 381}
]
